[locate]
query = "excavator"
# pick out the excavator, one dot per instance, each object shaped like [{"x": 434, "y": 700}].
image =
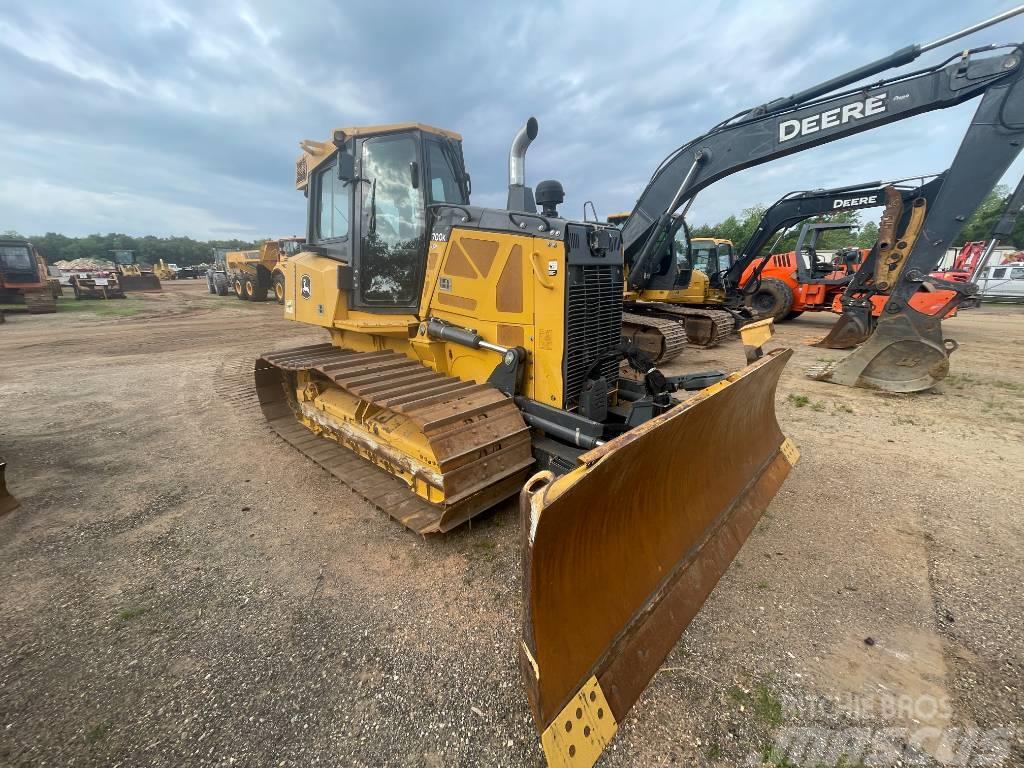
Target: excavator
[
  {"x": 475, "y": 354},
  {"x": 904, "y": 350},
  {"x": 785, "y": 285},
  {"x": 663, "y": 322}
]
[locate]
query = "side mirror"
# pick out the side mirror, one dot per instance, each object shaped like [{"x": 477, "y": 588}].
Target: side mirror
[
  {"x": 469, "y": 186},
  {"x": 346, "y": 166},
  {"x": 414, "y": 171}
]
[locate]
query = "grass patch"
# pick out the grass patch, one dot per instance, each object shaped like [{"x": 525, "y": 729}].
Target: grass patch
[
  {"x": 770, "y": 756},
  {"x": 799, "y": 400},
  {"x": 97, "y": 733},
  {"x": 767, "y": 706},
  {"x": 101, "y": 307},
  {"x": 132, "y": 613},
  {"x": 817, "y": 407},
  {"x": 1009, "y": 386},
  {"x": 843, "y": 407},
  {"x": 714, "y": 752},
  {"x": 762, "y": 585}
]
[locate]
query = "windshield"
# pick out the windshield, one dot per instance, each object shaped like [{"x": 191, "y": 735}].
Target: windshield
[
  {"x": 291, "y": 247},
  {"x": 124, "y": 257},
  {"x": 705, "y": 256},
  {"x": 16, "y": 257}
]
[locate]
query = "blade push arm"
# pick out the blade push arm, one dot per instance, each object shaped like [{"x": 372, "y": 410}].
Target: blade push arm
[{"x": 759, "y": 138}]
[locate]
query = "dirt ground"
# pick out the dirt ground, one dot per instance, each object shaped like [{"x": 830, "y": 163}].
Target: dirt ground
[{"x": 179, "y": 587}]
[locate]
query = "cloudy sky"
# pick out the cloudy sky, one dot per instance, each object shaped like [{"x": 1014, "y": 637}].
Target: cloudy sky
[{"x": 183, "y": 116}]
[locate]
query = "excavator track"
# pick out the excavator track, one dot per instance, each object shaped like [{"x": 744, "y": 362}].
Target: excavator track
[
  {"x": 430, "y": 450},
  {"x": 659, "y": 339},
  {"x": 702, "y": 327}
]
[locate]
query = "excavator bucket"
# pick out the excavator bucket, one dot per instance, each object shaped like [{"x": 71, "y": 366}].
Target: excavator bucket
[
  {"x": 7, "y": 502},
  {"x": 906, "y": 353},
  {"x": 852, "y": 328},
  {"x": 620, "y": 553}
]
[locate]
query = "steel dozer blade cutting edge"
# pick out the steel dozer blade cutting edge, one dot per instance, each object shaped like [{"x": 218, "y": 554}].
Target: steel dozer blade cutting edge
[
  {"x": 904, "y": 354},
  {"x": 613, "y": 572}
]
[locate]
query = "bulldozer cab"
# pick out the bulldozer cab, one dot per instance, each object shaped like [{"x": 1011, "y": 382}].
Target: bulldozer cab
[
  {"x": 17, "y": 263},
  {"x": 370, "y": 194}
]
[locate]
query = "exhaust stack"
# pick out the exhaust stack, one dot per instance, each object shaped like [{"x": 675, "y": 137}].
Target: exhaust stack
[{"x": 520, "y": 196}]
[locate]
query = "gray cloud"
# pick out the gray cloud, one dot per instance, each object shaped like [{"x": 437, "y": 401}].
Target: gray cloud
[{"x": 172, "y": 117}]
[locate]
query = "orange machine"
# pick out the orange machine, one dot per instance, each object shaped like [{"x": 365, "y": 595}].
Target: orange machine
[{"x": 23, "y": 277}]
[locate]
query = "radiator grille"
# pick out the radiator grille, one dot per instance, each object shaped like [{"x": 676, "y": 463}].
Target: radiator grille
[{"x": 593, "y": 324}]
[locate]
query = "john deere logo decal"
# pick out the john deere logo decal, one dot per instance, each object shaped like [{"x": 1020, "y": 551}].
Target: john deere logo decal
[{"x": 304, "y": 287}]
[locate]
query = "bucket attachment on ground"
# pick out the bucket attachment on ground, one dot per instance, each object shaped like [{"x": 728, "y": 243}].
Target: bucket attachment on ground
[
  {"x": 620, "y": 553},
  {"x": 7, "y": 502},
  {"x": 906, "y": 353},
  {"x": 852, "y": 328}
]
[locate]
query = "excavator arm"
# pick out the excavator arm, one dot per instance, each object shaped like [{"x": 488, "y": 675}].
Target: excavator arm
[
  {"x": 813, "y": 118},
  {"x": 796, "y": 207}
]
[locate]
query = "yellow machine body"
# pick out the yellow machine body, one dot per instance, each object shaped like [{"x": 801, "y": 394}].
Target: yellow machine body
[{"x": 411, "y": 406}]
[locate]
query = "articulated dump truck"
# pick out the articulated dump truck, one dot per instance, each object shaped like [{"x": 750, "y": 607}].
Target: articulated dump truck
[{"x": 474, "y": 355}]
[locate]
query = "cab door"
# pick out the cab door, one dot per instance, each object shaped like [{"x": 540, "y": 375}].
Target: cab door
[{"x": 389, "y": 273}]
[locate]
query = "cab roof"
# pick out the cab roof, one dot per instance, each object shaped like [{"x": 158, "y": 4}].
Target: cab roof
[{"x": 315, "y": 153}]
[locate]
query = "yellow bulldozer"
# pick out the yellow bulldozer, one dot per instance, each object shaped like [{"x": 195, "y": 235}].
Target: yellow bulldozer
[{"x": 474, "y": 354}]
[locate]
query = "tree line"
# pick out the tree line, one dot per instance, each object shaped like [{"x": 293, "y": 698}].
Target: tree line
[
  {"x": 186, "y": 251},
  {"x": 739, "y": 228},
  {"x": 148, "y": 250}
]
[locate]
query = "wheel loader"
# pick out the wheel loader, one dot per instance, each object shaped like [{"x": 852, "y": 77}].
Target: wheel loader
[
  {"x": 132, "y": 277},
  {"x": 474, "y": 354}
]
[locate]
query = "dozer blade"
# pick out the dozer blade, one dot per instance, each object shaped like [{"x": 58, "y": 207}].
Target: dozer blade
[
  {"x": 852, "y": 328},
  {"x": 7, "y": 502},
  {"x": 620, "y": 553},
  {"x": 146, "y": 282},
  {"x": 904, "y": 354}
]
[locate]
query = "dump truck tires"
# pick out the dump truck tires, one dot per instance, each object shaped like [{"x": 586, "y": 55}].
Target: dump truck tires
[
  {"x": 238, "y": 288},
  {"x": 279, "y": 288},
  {"x": 773, "y": 298},
  {"x": 210, "y": 284},
  {"x": 255, "y": 288},
  {"x": 220, "y": 284}
]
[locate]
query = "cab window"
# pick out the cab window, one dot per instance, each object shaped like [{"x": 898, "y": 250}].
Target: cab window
[
  {"x": 1017, "y": 273},
  {"x": 15, "y": 257},
  {"x": 1000, "y": 272},
  {"x": 334, "y": 204},
  {"x": 393, "y": 242},
  {"x": 443, "y": 183}
]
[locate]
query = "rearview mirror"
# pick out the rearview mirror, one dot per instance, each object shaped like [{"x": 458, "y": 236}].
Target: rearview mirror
[
  {"x": 346, "y": 166},
  {"x": 414, "y": 170}
]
